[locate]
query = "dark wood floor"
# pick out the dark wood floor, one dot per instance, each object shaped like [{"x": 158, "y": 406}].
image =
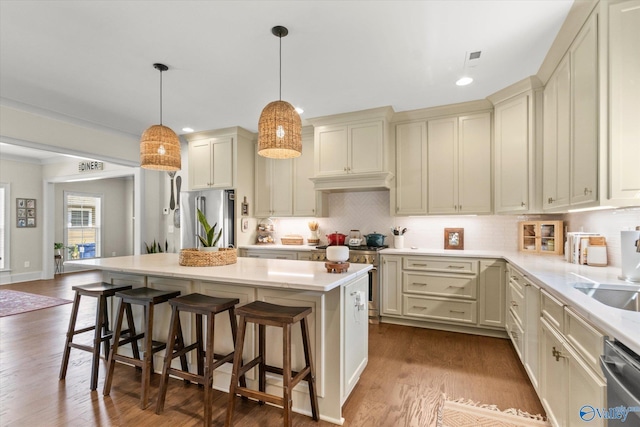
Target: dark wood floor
[{"x": 409, "y": 369}]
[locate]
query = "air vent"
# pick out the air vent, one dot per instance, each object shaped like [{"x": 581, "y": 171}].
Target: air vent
[{"x": 475, "y": 55}]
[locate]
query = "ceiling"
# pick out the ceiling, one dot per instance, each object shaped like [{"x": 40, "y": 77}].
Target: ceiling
[{"x": 92, "y": 60}]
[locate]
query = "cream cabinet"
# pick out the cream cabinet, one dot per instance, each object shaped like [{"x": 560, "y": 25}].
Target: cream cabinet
[
  {"x": 411, "y": 168},
  {"x": 349, "y": 149},
  {"x": 211, "y": 163},
  {"x": 491, "y": 289},
  {"x": 517, "y": 117},
  {"x": 523, "y": 315},
  {"x": 273, "y": 187},
  {"x": 571, "y": 113},
  {"x": 306, "y": 201},
  {"x": 557, "y": 138},
  {"x": 570, "y": 377},
  {"x": 463, "y": 294},
  {"x": 624, "y": 100},
  {"x": 459, "y": 164},
  {"x": 391, "y": 285}
]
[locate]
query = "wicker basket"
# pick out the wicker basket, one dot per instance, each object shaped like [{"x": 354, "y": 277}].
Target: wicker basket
[
  {"x": 292, "y": 240},
  {"x": 194, "y": 258}
]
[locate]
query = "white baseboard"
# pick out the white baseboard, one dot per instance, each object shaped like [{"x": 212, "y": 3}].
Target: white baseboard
[{"x": 6, "y": 279}]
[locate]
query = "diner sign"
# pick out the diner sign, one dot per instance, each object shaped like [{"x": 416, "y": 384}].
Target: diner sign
[{"x": 90, "y": 166}]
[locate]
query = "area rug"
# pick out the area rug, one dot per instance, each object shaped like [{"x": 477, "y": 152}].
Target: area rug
[
  {"x": 16, "y": 302},
  {"x": 466, "y": 413}
]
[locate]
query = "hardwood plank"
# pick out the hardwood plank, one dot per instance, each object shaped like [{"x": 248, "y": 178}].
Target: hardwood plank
[{"x": 408, "y": 370}]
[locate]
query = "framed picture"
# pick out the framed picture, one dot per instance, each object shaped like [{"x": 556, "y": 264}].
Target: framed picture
[
  {"x": 25, "y": 213},
  {"x": 454, "y": 238}
]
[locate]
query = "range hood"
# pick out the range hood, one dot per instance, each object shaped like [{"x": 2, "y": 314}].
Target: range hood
[{"x": 353, "y": 182}]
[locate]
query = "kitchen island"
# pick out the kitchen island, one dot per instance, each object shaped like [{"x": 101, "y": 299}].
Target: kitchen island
[{"x": 338, "y": 324}]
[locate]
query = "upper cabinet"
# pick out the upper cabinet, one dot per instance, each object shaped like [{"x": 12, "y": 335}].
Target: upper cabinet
[
  {"x": 459, "y": 165},
  {"x": 624, "y": 100},
  {"x": 556, "y": 146},
  {"x": 283, "y": 187},
  {"x": 214, "y": 157},
  {"x": 591, "y": 109},
  {"x": 211, "y": 163},
  {"x": 517, "y": 118},
  {"x": 352, "y": 151},
  {"x": 411, "y": 168},
  {"x": 570, "y": 147}
]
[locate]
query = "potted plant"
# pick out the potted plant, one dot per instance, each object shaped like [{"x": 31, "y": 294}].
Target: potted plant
[
  {"x": 210, "y": 239},
  {"x": 75, "y": 252},
  {"x": 58, "y": 247}
]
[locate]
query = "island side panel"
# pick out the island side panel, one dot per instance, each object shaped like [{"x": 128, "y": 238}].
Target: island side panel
[{"x": 355, "y": 336}]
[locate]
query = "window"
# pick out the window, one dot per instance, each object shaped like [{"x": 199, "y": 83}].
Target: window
[
  {"x": 5, "y": 211},
  {"x": 83, "y": 221}
]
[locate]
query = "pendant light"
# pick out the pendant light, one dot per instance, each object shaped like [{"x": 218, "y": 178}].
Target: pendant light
[
  {"x": 159, "y": 145},
  {"x": 279, "y": 127}
]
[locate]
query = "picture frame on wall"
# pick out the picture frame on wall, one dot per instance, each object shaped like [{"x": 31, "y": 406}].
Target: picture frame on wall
[
  {"x": 454, "y": 238},
  {"x": 25, "y": 213}
]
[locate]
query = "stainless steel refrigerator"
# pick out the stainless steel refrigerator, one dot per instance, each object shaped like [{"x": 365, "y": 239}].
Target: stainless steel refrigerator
[{"x": 217, "y": 205}]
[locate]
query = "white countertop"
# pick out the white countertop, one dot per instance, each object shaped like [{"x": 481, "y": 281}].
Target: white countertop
[
  {"x": 556, "y": 276},
  {"x": 275, "y": 247},
  {"x": 273, "y": 273}
]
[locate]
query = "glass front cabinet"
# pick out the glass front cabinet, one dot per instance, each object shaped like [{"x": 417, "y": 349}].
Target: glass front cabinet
[{"x": 543, "y": 237}]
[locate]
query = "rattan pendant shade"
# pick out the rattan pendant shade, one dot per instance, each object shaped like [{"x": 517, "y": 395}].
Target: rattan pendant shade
[
  {"x": 159, "y": 145},
  {"x": 279, "y": 131},
  {"x": 160, "y": 149},
  {"x": 279, "y": 127}
]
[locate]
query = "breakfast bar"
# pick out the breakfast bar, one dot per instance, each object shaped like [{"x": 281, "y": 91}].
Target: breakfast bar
[{"x": 338, "y": 323}]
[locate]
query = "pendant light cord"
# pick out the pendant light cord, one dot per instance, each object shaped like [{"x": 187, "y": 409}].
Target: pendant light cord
[
  {"x": 160, "y": 97},
  {"x": 280, "y": 37}
]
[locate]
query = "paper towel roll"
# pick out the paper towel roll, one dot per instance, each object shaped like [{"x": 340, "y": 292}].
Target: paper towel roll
[{"x": 630, "y": 256}]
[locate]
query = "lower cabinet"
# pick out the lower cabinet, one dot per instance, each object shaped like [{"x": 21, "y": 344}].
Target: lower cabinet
[
  {"x": 451, "y": 290},
  {"x": 275, "y": 254},
  {"x": 571, "y": 383}
]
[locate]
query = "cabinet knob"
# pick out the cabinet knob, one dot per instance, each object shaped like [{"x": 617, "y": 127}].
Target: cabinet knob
[
  {"x": 586, "y": 191},
  {"x": 550, "y": 200},
  {"x": 514, "y": 304},
  {"x": 523, "y": 204}
]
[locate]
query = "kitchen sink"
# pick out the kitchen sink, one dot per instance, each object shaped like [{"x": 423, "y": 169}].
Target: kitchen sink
[{"x": 625, "y": 297}]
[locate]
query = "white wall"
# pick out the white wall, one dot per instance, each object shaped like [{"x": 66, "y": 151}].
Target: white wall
[{"x": 369, "y": 211}]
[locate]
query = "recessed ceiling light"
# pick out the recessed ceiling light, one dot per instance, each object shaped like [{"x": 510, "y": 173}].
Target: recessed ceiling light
[
  {"x": 188, "y": 130},
  {"x": 299, "y": 110},
  {"x": 464, "y": 81}
]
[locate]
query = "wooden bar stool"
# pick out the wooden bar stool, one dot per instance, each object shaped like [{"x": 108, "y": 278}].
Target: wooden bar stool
[
  {"x": 266, "y": 314},
  {"x": 101, "y": 291},
  {"x": 147, "y": 298},
  {"x": 208, "y": 361}
]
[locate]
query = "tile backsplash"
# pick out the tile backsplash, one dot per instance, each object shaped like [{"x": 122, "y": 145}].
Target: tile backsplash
[{"x": 368, "y": 211}]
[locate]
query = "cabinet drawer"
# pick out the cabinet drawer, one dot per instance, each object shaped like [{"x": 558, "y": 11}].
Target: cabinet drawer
[
  {"x": 552, "y": 310},
  {"x": 516, "y": 279},
  {"x": 515, "y": 301},
  {"x": 516, "y": 333},
  {"x": 440, "y": 309},
  {"x": 587, "y": 340},
  {"x": 463, "y": 286},
  {"x": 448, "y": 265},
  {"x": 271, "y": 254}
]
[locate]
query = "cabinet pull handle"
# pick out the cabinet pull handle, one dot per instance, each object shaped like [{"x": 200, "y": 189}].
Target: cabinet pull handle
[
  {"x": 551, "y": 200},
  {"x": 557, "y": 354},
  {"x": 455, "y": 266},
  {"x": 281, "y": 257},
  {"x": 526, "y": 285},
  {"x": 523, "y": 204},
  {"x": 419, "y": 283},
  {"x": 419, "y": 307},
  {"x": 419, "y": 265},
  {"x": 514, "y": 304},
  {"x": 455, "y": 287},
  {"x": 457, "y": 311},
  {"x": 586, "y": 191}
]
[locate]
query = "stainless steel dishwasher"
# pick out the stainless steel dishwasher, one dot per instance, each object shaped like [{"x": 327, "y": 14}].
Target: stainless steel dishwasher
[{"x": 621, "y": 366}]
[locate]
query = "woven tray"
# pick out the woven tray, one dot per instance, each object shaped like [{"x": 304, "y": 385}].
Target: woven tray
[
  {"x": 291, "y": 240},
  {"x": 195, "y": 258}
]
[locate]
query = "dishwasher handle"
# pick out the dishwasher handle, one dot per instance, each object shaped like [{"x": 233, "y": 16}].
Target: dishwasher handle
[{"x": 616, "y": 376}]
